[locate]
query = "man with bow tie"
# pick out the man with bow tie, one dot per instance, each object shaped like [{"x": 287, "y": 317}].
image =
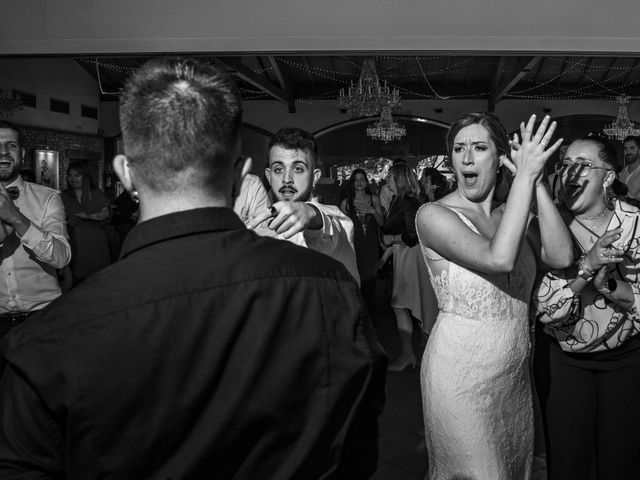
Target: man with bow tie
[{"x": 33, "y": 237}]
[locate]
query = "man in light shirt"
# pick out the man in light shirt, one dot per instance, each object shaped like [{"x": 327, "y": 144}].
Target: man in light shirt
[
  {"x": 630, "y": 174},
  {"x": 297, "y": 217},
  {"x": 252, "y": 199},
  {"x": 33, "y": 237}
]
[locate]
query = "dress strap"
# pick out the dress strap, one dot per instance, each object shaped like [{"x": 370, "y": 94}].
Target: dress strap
[{"x": 462, "y": 216}]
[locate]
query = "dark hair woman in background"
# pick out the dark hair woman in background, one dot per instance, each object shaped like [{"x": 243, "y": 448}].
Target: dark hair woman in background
[
  {"x": 363, "y": 208},
  {"x": 87, "y": 211},
  {"x": 434, "y": 184}
]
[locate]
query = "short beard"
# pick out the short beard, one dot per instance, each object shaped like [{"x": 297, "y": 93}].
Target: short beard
[{"x": 302, "y": 196}]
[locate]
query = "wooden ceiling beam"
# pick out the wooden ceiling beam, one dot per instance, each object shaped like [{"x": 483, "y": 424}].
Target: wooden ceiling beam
[
  {"x": 497, "y": 76},
  {"x": 523, "y": 66},
  {"x": 249, "y": 76},
  {"x": 309, "y": 74},
  {"x": 284, "y": 79}
]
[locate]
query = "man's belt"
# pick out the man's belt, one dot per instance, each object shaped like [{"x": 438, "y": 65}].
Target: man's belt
[{"x": 14, "y": 317}]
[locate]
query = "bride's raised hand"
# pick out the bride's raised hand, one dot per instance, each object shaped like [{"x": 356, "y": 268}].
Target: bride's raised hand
[{"x": 531, "y": 154}]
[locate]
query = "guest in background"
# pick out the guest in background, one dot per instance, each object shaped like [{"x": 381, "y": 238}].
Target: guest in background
[
  {"x": 386, "y": 195},
  {"x": 87, "y": 211},
  {"x": 588, "y": 360},
  {"x": 400, "y": 235},
  {"x": 630, "y": 174},
  {"x": 433, "y": 184},
  {"x": 364, "y": 210},
  {"x": 33, "y": 237},
  {"x": 297, "y": 216}
]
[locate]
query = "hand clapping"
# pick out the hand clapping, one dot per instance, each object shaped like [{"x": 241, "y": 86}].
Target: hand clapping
[
  {"x": 603, "y": 253},
  {"x": 530, "y": 155}
]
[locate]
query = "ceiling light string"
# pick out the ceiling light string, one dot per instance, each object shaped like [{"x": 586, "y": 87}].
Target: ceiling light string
[
  {"x": 440, "y": 97},
  {"x": 100, "y": 82}
]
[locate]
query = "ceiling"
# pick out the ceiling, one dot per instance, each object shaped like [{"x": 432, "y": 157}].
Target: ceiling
[{"x": 292, "y": 79}]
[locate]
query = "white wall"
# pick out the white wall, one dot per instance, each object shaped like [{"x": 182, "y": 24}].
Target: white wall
[
  {"x": 60, "y": 78},
  {"x": 134, "y": 26}
]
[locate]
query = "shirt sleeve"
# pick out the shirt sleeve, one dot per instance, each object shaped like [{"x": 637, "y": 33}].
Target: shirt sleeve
[
  {"x": 49, "y": 241},
  {"x": 258, "y": 200},
  {"x": 554, "y": 301},
  {"x": 351, "y": 333},
  {"x": 409, "y": 234},
  {"x": 30, "y": 439},
  {"x": 335, "y": 234}
]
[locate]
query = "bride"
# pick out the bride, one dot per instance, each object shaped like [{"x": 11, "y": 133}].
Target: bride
[{"x": 482, "y": 258}]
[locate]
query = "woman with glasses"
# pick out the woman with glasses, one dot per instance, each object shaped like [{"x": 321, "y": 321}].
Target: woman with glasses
[{"x": 588, "y": 363}]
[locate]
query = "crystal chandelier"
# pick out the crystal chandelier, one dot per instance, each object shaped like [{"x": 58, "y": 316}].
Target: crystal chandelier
[
  {"x": 368, "y": 96},
  {"x": 386, "y": 129},
  {"x": 623, "y": 126}
]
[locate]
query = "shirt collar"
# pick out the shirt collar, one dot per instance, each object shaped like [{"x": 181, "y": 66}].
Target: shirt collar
[
  {"x": 180, "y": 224},
  {"x": 18, "y": 182}
]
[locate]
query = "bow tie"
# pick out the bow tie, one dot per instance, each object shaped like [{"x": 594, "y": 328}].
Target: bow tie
[{"x": 13, "y": 192}]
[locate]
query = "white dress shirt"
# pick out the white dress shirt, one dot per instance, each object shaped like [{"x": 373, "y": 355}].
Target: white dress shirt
[
  {"x": 334, "y": 239},
  {"x": 28, "y": 264}
]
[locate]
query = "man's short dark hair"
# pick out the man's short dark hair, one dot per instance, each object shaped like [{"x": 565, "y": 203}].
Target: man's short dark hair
[
  {"x": 291, "y": 138},
  {"x": 632, "y": 138},
  {"x": 180, "y": 116},
  {"x": 10, "y": 126}
]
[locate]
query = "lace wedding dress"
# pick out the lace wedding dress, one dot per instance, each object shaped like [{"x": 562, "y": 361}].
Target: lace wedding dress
[{"x": 475, "y": 380}]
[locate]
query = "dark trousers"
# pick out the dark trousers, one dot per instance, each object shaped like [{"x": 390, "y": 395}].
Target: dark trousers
[
  {"x": 591, "y": 408},
  {"x": 368, "y": 290}
]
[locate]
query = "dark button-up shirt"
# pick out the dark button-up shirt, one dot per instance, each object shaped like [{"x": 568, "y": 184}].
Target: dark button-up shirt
[{"x": 206, "y": 352}]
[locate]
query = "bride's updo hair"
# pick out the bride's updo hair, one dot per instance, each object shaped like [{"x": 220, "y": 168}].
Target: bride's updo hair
[{"x": 497, "y": 133}]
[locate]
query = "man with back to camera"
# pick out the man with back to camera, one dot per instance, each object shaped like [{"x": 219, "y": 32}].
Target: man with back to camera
[
  {"x": 206, "y": 351},
  {"x": 297, "y": 217},
  {"x": 33, "y": 237},
  {"x": 630, "y": 174}
]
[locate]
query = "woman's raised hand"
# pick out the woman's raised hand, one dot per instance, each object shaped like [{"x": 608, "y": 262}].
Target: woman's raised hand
[
  {"x": 603, "y": 253},
  {"x": 530, "y": 155}
]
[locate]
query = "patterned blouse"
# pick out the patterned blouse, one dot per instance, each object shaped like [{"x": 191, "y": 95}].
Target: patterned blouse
[{"x": 587, "y": 321}]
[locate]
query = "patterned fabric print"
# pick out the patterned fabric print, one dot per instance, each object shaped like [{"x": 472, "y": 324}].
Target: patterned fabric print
[{"x": 588, "y": 322}]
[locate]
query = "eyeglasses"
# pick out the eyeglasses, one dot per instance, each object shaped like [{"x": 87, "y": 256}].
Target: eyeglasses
[{"x": 579, "y": 168}]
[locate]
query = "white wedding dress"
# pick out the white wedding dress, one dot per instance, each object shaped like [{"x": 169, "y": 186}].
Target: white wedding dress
[{"x": 476, "y": 386}]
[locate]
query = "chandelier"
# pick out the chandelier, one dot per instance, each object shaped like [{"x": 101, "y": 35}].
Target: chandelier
[
  {"x": 386, "y": 129},
  {"x": 623, "y": 126},
  {"x": 368, "y": 96}
]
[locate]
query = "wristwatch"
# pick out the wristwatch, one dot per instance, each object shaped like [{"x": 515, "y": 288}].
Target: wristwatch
[{"x": 583, "y": 270}]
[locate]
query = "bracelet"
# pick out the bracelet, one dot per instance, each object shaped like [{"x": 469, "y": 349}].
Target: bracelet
[{"x": 583, "y": 271}]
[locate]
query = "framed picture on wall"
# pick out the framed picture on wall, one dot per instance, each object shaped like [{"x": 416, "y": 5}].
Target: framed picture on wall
[{"x": 46, "y": 166}]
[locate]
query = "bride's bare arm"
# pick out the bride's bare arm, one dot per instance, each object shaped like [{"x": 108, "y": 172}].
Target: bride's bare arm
[
  {"x": 552, "y": 238},
  {"x": 455, "y": 241}
]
